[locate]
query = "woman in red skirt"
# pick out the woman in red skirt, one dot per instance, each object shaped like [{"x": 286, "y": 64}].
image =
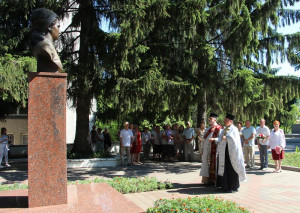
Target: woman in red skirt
[
  {"x": 277, "y": 144},
  {"x": 136, "y": 147}
]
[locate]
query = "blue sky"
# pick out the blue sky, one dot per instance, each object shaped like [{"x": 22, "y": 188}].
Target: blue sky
[{"x": 286, "y": 68}]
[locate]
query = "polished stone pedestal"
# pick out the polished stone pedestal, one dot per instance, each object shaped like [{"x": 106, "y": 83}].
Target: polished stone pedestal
[
  {"x": 91, "y": 198},
  {"x": 47, "y": 167}
]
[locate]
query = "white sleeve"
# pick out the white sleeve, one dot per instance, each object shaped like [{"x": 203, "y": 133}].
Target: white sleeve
[
  {"x": 282, "y": 139},
  {"x": 219, "y": 138}
]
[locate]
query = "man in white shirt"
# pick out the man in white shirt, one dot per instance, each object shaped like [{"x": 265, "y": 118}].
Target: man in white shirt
[
  {"x": 263, "y": 131},
  {"x": 189, "y": 135},
  {"x": 126, "y": 139}
]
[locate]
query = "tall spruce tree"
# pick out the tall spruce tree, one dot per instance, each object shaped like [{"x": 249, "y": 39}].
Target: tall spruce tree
[
  {"x": 15, "y": 58},
  {"x": 165, "y": 57},
  {"x": 102, "y": 55}
]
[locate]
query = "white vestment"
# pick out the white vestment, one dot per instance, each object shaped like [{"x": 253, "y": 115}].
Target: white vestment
[
  {"x": 204, "y": 172},
  {"x": 235, "y": 152}
]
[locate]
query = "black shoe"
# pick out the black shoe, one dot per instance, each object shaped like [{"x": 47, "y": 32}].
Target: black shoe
[
  {"x": 129, "y": 164},
  {"x": 261, "y": 168},
  {"x": 229, "y": 191},
  {"x": 235, "y": 190}
]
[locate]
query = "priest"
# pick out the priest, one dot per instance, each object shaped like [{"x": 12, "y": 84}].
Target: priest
[
  {"x": 230, "y": 160},
  {"x": 208, "y": 168}
]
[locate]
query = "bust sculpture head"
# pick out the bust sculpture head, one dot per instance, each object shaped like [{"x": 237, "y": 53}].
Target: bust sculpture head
[{"x": 45, "y": 28}]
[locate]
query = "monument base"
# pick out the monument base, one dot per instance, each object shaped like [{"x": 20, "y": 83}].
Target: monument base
[
  {"x": 94, "y": 197},
  {"x": 47, "y": 163}
]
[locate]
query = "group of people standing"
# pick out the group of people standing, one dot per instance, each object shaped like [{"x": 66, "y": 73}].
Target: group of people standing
[
  {"x": 100, "y": 140},
  {"x": 266, "y": 139},
  {"x": 223, "y": 150},
  {"x": 169, "y": 143}
]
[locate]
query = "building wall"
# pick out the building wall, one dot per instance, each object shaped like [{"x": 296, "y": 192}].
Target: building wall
[{"x": 16, "y": 125}]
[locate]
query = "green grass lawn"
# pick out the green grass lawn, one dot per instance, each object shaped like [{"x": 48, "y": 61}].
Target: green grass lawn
[
  {"x": 123, "y": 185},
  {"x": 290, "y": 159}
]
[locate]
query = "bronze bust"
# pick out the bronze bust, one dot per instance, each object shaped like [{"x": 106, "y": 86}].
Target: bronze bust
[{"x": 45, "y": 30}]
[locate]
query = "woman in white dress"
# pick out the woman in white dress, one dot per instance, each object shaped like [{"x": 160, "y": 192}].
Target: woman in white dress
[{"x": 277, "y": 144}]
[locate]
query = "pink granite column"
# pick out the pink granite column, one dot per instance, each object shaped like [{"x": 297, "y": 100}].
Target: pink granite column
[{"x": 47, "y": 163}]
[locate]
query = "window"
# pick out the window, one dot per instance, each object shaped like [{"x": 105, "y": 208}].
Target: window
[
  {"x": 25, "y": 139},
  {"x": 11, "y": 139}
]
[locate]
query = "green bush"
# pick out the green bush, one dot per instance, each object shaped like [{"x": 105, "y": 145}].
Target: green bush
[
  {"x": 141, "y": 184},
  {"x": 99, "y": 154},
  {"x": 196, "y": 204}
]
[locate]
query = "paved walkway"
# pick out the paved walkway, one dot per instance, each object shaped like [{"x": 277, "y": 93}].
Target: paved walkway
[{"x": 263, "y": 192}]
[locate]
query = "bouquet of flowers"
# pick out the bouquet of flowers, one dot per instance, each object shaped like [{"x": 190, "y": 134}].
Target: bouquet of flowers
[
  {"x": 261, "y": 136},
  {"x": 278, "y": 149}
]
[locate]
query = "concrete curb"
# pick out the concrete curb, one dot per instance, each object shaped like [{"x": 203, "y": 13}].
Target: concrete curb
[{"x": 289, "y": 168}]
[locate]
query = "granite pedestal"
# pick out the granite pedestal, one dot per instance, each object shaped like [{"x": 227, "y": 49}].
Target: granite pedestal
[{"x": 47, "y": 163}]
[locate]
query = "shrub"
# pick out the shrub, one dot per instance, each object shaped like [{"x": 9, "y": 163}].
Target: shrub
[
  {"x": 141, "y": 184},
  {"x": 99, "y": 154},
  {"x": 196, "y": 204}
]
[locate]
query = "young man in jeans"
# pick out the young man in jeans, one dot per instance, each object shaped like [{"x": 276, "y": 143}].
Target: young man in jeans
[{"x": 126, "y": 139}]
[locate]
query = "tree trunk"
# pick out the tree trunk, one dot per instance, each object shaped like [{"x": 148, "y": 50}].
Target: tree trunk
[
  {"x": 202, "y": 107},
  {"x": 81, "y": 143}
]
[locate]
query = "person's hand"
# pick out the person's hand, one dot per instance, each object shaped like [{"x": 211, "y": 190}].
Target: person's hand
[
  {"x": 246, "y": 142},
  {"x": 224, "y": 138},
  {"x": 187, "y": 141},
  {"x": 211, "y": 140},
  {"x": 268, "y": 147},
  {"x": 258, "y": 145}
]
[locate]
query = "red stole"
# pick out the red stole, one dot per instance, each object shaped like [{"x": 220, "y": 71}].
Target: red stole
[
  {"x": 212, "y": 168},
  {"x": 215, "y": 129}
]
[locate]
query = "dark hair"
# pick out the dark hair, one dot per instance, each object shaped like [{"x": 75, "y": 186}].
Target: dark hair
[
  {"x": 239, "y": 123},
  {"x": 180, "y": 128},
  {"x": 3, "y": 129}
]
